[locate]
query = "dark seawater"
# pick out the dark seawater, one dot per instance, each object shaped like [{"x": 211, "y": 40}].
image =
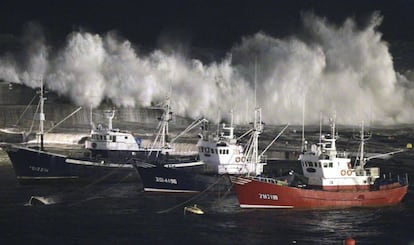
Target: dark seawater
[{"x": 120, "y": 213}]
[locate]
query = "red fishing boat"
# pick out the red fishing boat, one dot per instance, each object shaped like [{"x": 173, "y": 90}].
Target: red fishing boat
[{"x": 330, "y": 180}]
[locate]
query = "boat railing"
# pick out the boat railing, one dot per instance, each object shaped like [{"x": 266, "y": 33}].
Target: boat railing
[
  {"x": 372, "y": 172},
  {"x": 397, "y": 178},
  {"x": 343, "y": 154},
  {"x": 270, "y": 180}
]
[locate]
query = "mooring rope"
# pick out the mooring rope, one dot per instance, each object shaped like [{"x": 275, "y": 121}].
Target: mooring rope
[
  {"x": 97, "y": 182},
  {"x": 191, "y": 199},
  {"x": 225, "y": 194}
]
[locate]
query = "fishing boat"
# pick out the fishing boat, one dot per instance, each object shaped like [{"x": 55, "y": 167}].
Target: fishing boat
[
  {"x": 330, "y": 179},
  {"x": 115, "y": 145},
  {"x": 222, "y": 155},
  {"x": 112, "y": 151}
]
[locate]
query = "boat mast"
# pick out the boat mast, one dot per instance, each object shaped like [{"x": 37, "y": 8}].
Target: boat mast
[
  {"x": 362, "y": 142},
  {"x": 161, "y": 140},
  {"x": 320, "y": 128},
  {"x": 90, "y": 117},
  {"x": 218, "y": 123},
  {"x": 362, "y": 138},
  {"x": 333, "y": 134},
  {"x": 255, "y": 132},
  {"x": 110, "y": 115},
  {"x": 231, "y": 129},
  {"x": 258, "y": 128},
  {"x": 303, "y": 125},
  {"x": 41, "y": 115},
  {"x": 257, "y": 123},
  {"x": 166, "y": 118}
]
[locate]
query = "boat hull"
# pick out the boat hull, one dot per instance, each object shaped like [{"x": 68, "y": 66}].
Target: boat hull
[
  {"x": 156, "y": 178},
  {"x": 31, "y": 165},
  {"x": 252, "y": 193}
]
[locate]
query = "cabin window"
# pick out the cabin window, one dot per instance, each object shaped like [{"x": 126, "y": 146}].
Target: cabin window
[
  {"x": 319, "y": 164},
  {"x": 310, "y": 164},
  {"x": 114, "y": 138},
  {"x": 126, "y": 137},
  {"x": 330, "y": 164},
  {"x": 207, "y": 150},
  {"x": 325, "y": 165},
  {"x": 216, "y": 151}
]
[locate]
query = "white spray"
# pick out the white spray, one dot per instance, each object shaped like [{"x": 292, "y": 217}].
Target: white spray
[{"x": 346, "y": 69}]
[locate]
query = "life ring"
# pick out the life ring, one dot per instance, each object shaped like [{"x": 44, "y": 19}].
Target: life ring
[
  {"x": 243, "y": 159},
  {"x": 343, "y": 172},
  {"x": 237, "y": 159},
  {"x": 349, "y": 172}
]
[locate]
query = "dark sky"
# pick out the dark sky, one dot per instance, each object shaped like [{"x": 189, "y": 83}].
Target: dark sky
[{"x": 208, "y": 24}]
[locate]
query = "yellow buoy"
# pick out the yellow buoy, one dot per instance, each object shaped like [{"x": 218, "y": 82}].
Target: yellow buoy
[
  {"x": 193, "y": 209},
  {"x": 409, "y": 146}
]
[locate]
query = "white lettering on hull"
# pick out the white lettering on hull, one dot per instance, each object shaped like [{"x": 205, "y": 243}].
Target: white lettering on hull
[
  {"x": 39, "y": 169},
  {"x": 267, "y": 196},
  {"x": 165, "y": 180}
]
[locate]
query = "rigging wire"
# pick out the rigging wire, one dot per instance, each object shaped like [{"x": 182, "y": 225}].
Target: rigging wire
[{"x": 27, "y": 107}]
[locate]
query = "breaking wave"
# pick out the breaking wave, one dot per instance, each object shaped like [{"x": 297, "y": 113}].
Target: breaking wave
[{"x": 347, "y": 69}]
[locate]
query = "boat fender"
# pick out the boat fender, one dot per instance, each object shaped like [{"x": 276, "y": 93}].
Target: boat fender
[
  {"x": 343, "y": 172},
  {"x": 237, "y": 159}
]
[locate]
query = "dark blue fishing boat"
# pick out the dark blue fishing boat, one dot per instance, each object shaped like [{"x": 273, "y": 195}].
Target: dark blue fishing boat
[{"x": 110, "y": 153}]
